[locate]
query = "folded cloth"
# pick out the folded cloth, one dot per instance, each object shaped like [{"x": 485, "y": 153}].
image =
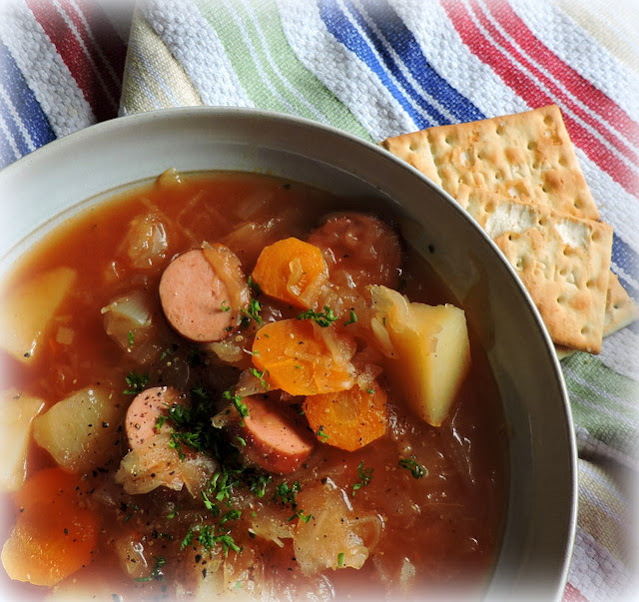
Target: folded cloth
[{"x": 377, "y": 69}]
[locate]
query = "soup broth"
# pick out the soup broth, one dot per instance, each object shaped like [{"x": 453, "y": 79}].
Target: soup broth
[{"x": 187, "y": 497}]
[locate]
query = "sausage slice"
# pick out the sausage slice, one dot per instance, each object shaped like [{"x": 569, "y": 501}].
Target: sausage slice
[
  {"x": 195, "y": 300},
  {"x": 273, "y": 440},
  {"x": 144, "y": 411}
]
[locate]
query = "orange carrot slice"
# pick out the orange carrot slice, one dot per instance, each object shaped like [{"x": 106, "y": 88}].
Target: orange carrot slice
[
  {"x": 53, "y": 537},
  {"x": 292, "y": 271},
  {"x": 348, "y": 419},
  {"x": 302, "y": 358}
]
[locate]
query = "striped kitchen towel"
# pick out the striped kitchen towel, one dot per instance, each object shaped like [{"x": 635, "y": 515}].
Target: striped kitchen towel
[{"x": 379, "y": 68}]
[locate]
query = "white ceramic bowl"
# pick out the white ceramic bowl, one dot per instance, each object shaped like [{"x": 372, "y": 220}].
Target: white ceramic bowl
[{"x": 52, "y": 183}]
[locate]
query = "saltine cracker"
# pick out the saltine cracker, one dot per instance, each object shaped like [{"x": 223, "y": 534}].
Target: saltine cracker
[
  {"x": 563, "y": 261},
  {"x": 526, "y": 155}
]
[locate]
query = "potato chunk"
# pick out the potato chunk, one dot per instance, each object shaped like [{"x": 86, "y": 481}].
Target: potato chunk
[
  {"x": 16, "y": 415},
  {"x": 81, "y": 431},
  {"x": 26, "y": 311},
  {"x": 429, "y": 348}
]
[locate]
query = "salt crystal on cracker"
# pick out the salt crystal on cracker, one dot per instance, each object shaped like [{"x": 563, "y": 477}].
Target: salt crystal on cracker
[{"x": 563, "y": 261}]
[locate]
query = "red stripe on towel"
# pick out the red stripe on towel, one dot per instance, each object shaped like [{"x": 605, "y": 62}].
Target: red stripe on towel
[
  {"x": 527, "y": 87},
  {"x": 576, "y": 85},
  {"x": 74, "y": 57},
  {"x": 572, "y": 594}
]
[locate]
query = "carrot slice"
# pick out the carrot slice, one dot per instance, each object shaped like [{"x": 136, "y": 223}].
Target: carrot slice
[
  {"x": 53, "y": 537},
  {"x": 348, "y": 419},
  {"x": 304, "y": 359},
  {"x": 292, "y": 271}
]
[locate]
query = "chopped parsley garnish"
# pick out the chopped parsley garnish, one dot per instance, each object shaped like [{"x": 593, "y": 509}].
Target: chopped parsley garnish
[
  {"x": 156, "y": 573},
  {"x": 301, "y": 515},
  {"x": 165, "y": 353},
  {"x": 417, "y": 470},
  {"x": 323, "y": 319},
  {"x": 286, "y": 494},
  {"x": 260, "y": 376},
  {"x": 252, "y": 313},
  {"x": 365, "y": 475},
  {"x": 222, "y": 483},
  {"x": 135, "y": 383},
  {"x": 340, "y": 560},
  {"x": 209, "y": 505},
  {"x": 206, "y": 536},
  {"x": 321, "y": 434},
  {"x": 131, "y": 338},
  {"x": 254, "y": 286},
  {"x": 190, "y": 426},
  {"x": 230, "y": 515},
  {"x": 258, "y": 484},
  {"x": 237, "y": 402},
  {"x": 352, "y": 318},
  {"x": 225, "y": 306}
]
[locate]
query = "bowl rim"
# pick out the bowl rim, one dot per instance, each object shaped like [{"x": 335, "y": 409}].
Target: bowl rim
[{"x": 34, "y": 161}]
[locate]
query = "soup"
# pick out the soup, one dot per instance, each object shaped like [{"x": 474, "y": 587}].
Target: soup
[{"x": 227, "y": 385}]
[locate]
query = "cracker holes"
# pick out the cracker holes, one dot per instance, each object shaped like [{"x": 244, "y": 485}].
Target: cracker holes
[
  {"x": 531, "y": 146},
  {"x": 563, "y": 161},
  {"x": 577, "y": 204},
  {"x": 519, "y": 264},
  {"x": 548, "y": 121},
  {"x": 585, "y": 330},
  {"x": 595, "y": 236},
  {"x": 561, "y": 299},
  {"x": 591, "y": 283}
]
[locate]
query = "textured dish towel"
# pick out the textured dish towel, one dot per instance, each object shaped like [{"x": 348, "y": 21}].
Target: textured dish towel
[{"x": 377, "y": 69}]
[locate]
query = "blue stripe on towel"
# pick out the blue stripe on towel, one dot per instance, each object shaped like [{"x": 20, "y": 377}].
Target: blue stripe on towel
[
  {"x": 405, "y": 71},
  {"x": 394, "y": 31},
  {"x": 625, "y": 256},
  {"x": 17, "y": 95},
  {"x": 345, "y": 32}
]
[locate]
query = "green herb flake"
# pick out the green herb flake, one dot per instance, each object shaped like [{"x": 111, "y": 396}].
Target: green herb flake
[
  {"x": 340, "y": 560},
  {"x": 237, "y": 402},
  {"x": 156, "y": 574},
  {"x": 352, "y": 318},
  {"x": 131, "y": 338},
  {"x": 261, "y": 376},
  {"x": 323, "y": 319},
  {"x": 365, "y": 476},
  {"x": 417, "y": 470},
  {"x": 225, "y": 306},
  {"x": 135, "y": 383},
  {"x": 254, "y": 286},
  {"x": 258, "y": 484},
  {"x": 252, "y": 313},
  {"x": 285, "y": 493},
  {"x": 301, "y": 515},
  {"x": 321, "y": 433}
]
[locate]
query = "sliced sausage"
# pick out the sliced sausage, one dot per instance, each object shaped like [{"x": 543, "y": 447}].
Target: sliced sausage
[
  {"x": 144, "y": 411},
  {"x": 273, "y": 440},
  {"x": 359, "y": 250},
  {"x": 197, "y": 301}
]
